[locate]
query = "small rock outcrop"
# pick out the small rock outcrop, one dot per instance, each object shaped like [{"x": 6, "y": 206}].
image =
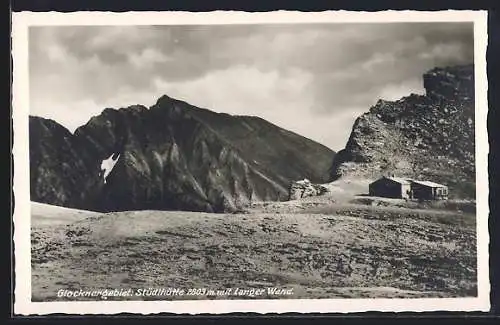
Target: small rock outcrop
[
  {"x": 304, "y": 188},
  {"x": 423, "y": 137}
]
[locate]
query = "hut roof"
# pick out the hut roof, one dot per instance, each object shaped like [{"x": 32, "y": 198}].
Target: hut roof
[
  {"x": 399, "y": 180},
  {"x": 429, "y": 183}
]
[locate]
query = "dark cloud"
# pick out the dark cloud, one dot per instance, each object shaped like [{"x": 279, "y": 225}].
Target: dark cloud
[
  {"x": 333, "y": 67},
  {"x": 195, "y": 50}
]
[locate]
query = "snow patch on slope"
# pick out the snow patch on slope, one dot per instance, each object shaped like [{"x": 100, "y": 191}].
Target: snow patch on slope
[{"x": 107, "y": 165}]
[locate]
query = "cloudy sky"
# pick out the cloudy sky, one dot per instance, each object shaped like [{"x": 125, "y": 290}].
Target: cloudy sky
[{"x": 313, "y": 79}]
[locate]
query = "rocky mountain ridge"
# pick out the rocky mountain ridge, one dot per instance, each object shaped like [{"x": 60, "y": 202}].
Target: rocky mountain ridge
[
  {"x": 427, "y": 136},
  {"x": 172, "y": 156}
]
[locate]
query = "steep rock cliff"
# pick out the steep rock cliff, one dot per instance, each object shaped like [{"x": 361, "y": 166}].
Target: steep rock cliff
[{"x": 427, "y": 137}]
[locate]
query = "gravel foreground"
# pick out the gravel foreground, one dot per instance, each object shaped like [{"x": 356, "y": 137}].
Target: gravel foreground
[{"x": 313, "y": 251}]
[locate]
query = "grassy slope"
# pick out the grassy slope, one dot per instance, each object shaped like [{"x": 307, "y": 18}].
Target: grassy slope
[{"x": 320, "y": 249}]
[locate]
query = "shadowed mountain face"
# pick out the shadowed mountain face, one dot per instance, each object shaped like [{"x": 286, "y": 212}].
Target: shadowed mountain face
[
  {"x": 172, "y": 156},
  {"x": 60, "y": 172},
  {"x": 426, "y": 137}
]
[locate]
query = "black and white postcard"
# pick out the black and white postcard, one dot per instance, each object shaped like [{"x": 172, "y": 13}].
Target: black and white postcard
[{"x": 250, "y": 162}]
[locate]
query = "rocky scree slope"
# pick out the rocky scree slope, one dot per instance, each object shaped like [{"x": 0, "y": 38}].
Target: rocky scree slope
[
  {"x": 172, "y": 156},
  {"x": 423, "y": 137}
]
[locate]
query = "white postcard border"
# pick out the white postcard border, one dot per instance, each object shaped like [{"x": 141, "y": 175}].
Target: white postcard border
[{"x": 23, "y": 305}]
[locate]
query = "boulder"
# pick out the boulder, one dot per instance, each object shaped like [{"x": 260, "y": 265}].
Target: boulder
[{"x": 304, "y": 188}]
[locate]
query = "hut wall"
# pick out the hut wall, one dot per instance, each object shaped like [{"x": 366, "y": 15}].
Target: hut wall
[
  {"x": 423, "y": 192},
  {"x": 406, "y": 191},
  {"x": 387, "y": 188}
]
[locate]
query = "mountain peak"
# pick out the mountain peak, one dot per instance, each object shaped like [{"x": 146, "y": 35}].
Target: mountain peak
[
  {"x": 450, "y": 83},
  {"x": 174, "y": 156},
  {"x": 134, "y": 108},
  {"x": 163, "y": 99}
]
